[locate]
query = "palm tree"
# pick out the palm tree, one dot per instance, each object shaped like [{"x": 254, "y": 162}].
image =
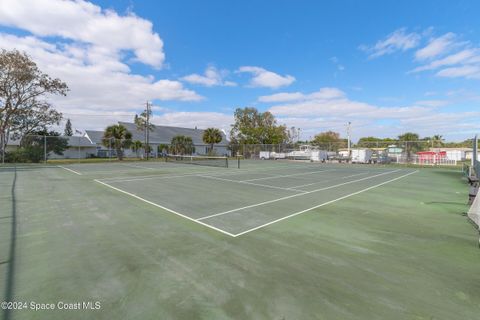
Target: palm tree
[
  {"x": 411, "y": 143},
  {"x": 182, "y": 145},
  {"x": 118, "y": 137},
  {"x": 212, "y": 136},
  {"x": 438, "y": 139},
  {"x": 136, "y": 146}
]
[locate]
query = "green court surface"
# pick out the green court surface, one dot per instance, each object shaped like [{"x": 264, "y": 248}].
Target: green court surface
[{"x": 271, "y": 240}]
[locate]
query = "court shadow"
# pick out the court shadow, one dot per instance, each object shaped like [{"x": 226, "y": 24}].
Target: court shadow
[{"x": 11, "y": 256}]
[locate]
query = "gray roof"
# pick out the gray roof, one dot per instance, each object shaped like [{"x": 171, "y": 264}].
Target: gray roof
[
  {"x": 161, "y": 134},
  {"x": 73, "y": 141},
  {"x": 94, "y": 136},
  {"x": 77, "y": 141}
]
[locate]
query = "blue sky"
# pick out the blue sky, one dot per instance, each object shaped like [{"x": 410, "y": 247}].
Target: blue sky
[{"x": 386, "y": 66}]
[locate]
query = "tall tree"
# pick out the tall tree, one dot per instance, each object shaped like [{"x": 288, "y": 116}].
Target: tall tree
[
  {"x": 212, "y": 136},
  {"x": 374, "y": 142},
  {"x": 118, "y": 137},
  {"x": 437, "y": 140},
  {"x": 411, "y": 143},
  {"x": 329, "y": 140},
  {"x": 254, "y": 127},
  {"x": 37, "y": 146},
  {"x": 23, "y": 87},
  {"x": 68, "y": 128},
  {"x": 293, "y": 135},
  {"x": 143, "y": 124},
  {"x": 182, "y": 145}
]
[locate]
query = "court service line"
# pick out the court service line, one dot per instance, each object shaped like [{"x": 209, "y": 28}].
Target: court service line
[
  {"x": 157, "y": 177},
  {"x": 310, "y": 184},
  {"x": 164, "y": 208},
  {"x": 165, "y": 176},
  {"x": 287, "y": 175},
  {"x": 324, "y": 204},
  {"x": 136, "y": 166},
  {"x": 295, "y": 195},
  {"x": 68, "y": 169},
  {"x": 251, "y": 183}
]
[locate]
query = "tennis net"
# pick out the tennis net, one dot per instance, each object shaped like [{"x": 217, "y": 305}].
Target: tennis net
[{"x": 198, "y": 160}]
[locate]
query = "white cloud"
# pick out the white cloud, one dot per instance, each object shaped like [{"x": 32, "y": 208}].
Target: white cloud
[
  {"x": 323, "y": 93},
  {"x": 200, "y": 120},
  {"x": 330, "y": 109},
  {"x": 468, "y": 71},
  {"x": 436, "y": 46},
  {"x": 399, "y": 40},
  {"x": 98, "y": 78},
  {"x": 85, "y": 120},
  {"x": 461, "y": 64},
  {"x": 84, "y": 22},
  {"x": 431, "y": 103},
  {"x": 265, "y": 78},
  {"x": 212, "y": 77},
  {"x": 464, "y": 56},
  {"x": 282, "y": 97}
]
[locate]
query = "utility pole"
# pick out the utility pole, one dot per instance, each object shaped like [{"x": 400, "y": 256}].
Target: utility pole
[{"x": 348, "y": 138}]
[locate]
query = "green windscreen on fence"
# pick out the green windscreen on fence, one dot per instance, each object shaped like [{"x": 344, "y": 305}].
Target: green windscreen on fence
[{"x": 475, "y": 160}]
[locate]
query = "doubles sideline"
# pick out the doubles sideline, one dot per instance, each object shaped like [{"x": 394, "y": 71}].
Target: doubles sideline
[
  {"x": 323, "y": 204},
  {"x": 295, "y": 195},
  {"x": 271, "y": 222}
]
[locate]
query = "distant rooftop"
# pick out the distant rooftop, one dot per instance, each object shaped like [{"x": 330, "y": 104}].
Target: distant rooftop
[{"x": 161, "y": 134}]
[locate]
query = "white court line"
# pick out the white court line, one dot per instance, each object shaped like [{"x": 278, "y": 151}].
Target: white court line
[
  {"x": 287, "y": 175},
  {"x": 157, "y": 177},
  {"x": 324, "y": 204},
  {"x": 164, "y": 208},
  {"x": 216, "y": 172},
  {"x": 68, "y": 169},
  {"x": 295, "y": 195},
  {"x": 26, "y": 166},
  {"x": 310, "y": 184},
  {"x": 251, "y": 183},
  {"x": 135, "y": 166}
]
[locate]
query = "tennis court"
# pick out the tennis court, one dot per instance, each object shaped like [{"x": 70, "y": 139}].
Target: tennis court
[
  {"x": 236, "y": 201},
  {"x": 270, "y": 240}
]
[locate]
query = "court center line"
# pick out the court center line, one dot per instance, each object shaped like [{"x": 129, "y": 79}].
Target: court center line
[
  {"x": 324, "y": 204},
  {"x": 68, "y": 169},
  {"x": 216, "y": 172},
  {"x": 251, "y": 183},
  {"x": 350, "y": 176},
  {"x": 164, "y": 208},
  {"x": 287, "y": 175},
  {"x": 295, "y": 195},
  {"x": 136, "y": 166}
]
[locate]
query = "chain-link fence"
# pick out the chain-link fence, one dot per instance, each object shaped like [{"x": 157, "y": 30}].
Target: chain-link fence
[
  {"x": 39, "y": 148},
  {"x": 44, "y": 148},
  {"x": 422, "y": 152}
]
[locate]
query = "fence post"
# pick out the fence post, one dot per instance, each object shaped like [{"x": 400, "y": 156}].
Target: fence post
[
  {"x": 45, "y": 148},
  {"x": 3, "y": 147},
  {"x": 78, "y": 149}
]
